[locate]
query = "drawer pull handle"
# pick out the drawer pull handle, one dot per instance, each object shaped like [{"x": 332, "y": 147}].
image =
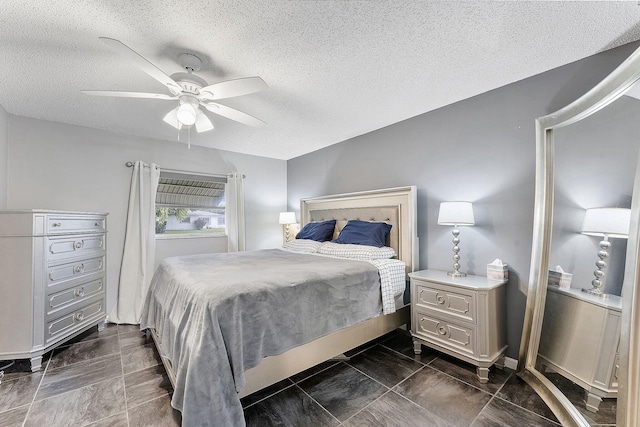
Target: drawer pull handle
[
  {"x": 56, "y": 224},
  {"x": 79, "y": 292},
  {"x": 79, "y": 316},
  {"x": 98, "y": 224},
  {"x": 440, "y": 299},
  {"x": 79, "y": 268},
  {"x": 442, "y": 330},
  {"x": 78, "y": 245}
]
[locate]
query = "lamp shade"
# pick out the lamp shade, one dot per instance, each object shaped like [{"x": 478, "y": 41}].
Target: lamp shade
[
  {"x": 612, "y": 222},
  {"x": 287, "y": 217},
  {"x": 186, "y": 114},
  {"x": 456, "y": 213}
]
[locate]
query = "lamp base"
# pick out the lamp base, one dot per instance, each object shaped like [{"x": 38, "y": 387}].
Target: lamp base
[
  {"x": 456, "y": 274},
  {"x": 596, "y": 292}
]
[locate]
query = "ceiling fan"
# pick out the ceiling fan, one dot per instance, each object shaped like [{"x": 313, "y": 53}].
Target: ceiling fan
[{"x": 189, "y": 90}]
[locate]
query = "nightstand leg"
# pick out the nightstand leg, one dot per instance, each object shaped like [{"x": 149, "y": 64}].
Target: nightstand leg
[
  {"x": 483, "y": 374},
  {"x": 36, "y": 363},
  {"x": 417, "y": 347},
  {"x": 593, "y": 402},
  {"x": 101, "y": 326}
]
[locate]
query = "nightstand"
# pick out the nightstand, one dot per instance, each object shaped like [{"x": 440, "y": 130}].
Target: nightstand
[
  {"x": 463, "y": 317},
  {"x": 579, "y": 340}
]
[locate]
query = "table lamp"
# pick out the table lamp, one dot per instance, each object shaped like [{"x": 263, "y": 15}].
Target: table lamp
[
  {"x": 456, "y": 213},
  {"x": 286, "y": 219},
  {"x": 606, "y": 223}
]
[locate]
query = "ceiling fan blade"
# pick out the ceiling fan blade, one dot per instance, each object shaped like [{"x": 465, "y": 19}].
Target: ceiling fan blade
[
  {"x": 142, "y": 63},
  {"x": 233, "y": 114},
  {"x": 172, "y": 118},
  {"x": 128, "y": 94},
  {"x": 203, "y": 123},
  {"x": 232, "y": 88}
]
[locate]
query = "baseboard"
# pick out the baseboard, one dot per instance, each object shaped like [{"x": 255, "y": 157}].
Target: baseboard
[{"x": 511, "y": 363}]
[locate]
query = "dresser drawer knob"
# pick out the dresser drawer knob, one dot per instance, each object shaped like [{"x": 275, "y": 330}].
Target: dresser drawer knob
[
  {"x": 56, "y": 224},
  {"x": 79, "y": 292},
  {"x": 78, "y": 245},
  {"x": 442, "y": 330},
  {"x": 79, "y": 268},
  {"x": 79, "y": 316},
  {"x": 98, "y": 224},
  {"x": 440, "y": 299}
]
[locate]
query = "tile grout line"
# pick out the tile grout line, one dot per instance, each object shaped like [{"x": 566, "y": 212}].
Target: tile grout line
[
  {"x": 408, "y": 357},
  {"x": 389, "y": 389},
  {"x": 483, "y": 408},
  {"x": 269, "y": 396},
  {"x": 526, "y": 409},
  {"x": 46, "y": 368},
  {"x": 370, "y": 403},
  {"x": 124, "y": 384},
  {"x": 466, "y": 383},
  {"x": 318, "y": 403}
]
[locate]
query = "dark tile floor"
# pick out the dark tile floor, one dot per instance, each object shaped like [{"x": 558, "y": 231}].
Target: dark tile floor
[{"x": 115, "y": 378}]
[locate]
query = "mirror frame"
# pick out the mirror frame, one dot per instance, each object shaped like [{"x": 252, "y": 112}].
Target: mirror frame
[{"x": 604, "y": 93}]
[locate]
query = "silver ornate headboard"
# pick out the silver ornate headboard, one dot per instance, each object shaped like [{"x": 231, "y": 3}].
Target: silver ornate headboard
[{"x": 395, "y": 206}]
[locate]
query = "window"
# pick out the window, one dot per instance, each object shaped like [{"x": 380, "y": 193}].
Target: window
[{"x": 190, "y": 204}]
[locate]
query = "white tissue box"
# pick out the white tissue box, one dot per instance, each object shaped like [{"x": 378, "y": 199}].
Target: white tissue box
[
  {"x": 560, "y": 279},
  {"x": 497, "y": 272}
]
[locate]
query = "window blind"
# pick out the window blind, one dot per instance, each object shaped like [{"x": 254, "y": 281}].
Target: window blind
[{"x": 181, "y": 190}]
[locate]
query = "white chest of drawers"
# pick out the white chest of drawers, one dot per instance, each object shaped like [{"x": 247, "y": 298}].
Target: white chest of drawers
[
  {"x": 52, "y": 279},
  {"x": 463, "y": 317}
]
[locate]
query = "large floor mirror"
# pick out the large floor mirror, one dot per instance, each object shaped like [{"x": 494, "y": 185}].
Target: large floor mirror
[{"x": 580, "y": 345}]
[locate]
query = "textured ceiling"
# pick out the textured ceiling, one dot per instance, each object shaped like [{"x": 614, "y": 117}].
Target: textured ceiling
[{"x": 335, "y": 69}]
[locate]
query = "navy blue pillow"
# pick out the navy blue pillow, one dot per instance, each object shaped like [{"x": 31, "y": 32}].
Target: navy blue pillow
[
  {"x": 318, "y": 231},
  {"x": 364, "y": 233}
]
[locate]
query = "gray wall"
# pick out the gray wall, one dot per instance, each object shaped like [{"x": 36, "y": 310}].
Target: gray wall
[
  {"x": 58, "y": 166},
  {"x": 595, "y": 167},
  {"x": 4, "y": 143},
  {"x": 482, "y": 150}
]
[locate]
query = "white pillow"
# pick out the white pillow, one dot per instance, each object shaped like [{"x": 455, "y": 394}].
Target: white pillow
[
  {"x": 302, "y": 245},
  {"x": 360, "y": 252}
]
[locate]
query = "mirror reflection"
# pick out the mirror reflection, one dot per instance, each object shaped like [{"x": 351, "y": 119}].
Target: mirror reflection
[{"x": 594, "y": 172}]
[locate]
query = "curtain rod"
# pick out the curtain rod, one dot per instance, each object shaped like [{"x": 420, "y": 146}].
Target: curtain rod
[{"x": 131, "y": 164}]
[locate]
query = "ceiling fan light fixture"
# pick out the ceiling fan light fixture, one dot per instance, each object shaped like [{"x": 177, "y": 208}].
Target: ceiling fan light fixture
[
  {"x": 203, "y": 123},
  {"x": 171, "y": 118},
  {"x": 186, "y": 114}
]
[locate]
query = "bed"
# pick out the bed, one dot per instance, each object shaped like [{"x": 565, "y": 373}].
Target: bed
[{"x": 288, "y": 312}]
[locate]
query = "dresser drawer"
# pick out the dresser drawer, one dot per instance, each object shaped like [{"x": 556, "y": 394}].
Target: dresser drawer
[
  {"x": 457, "y": 337},
  {"x": 74, "y": 295},
  {"x": 70, "y": 322},
  {"x": 453, "y": 302},
  {"x": 72, "y": 270},
  {"x": 59, "y": 248},
  {"x": 75, "y": 224}
]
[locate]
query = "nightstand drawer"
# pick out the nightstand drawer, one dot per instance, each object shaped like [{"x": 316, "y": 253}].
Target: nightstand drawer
[
  {"x": 455, "y": 302},
  {"x": 457, "y": 337}
]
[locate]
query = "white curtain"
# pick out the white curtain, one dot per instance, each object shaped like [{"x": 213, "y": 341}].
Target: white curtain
[
  {"x": 139, "y": 245},
  {"x": 234, "y": 195}
]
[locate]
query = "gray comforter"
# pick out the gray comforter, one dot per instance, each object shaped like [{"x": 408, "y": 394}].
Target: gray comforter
[{"x": 218, "y": 315}]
